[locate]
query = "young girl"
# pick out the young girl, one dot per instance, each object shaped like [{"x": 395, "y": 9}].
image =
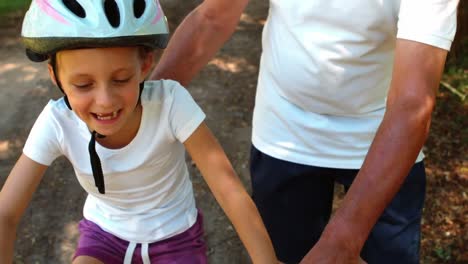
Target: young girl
[{"x": 125, "y": 139}]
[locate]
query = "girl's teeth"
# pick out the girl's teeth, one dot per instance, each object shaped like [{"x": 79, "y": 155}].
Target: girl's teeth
[{"x": 107, "y": 117}]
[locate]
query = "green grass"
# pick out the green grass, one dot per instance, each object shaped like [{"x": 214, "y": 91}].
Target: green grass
[{"x": 13, "y": 5}]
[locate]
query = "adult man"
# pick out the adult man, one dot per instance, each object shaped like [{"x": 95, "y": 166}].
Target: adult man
[{"x": 346, "y": 91}]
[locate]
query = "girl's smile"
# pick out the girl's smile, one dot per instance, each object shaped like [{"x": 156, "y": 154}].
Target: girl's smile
[{"x": 106, "y": 117}]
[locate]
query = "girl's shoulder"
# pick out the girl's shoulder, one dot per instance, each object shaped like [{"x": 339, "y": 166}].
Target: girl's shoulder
[
  {"x": 57, "y": 114},
  {"x": 162, "y": 90},
  {"x": 57, "y": 108}
]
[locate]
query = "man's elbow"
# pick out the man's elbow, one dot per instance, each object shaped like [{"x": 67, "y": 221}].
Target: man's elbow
[
  {"x": 415, "y": 98},
  {"x": 422, "y": 104},
  {"x": 415, "y": 110}
]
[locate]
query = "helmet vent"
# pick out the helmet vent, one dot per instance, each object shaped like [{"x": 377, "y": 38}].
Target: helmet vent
[
  {"x": 139, "y": 7},
  {"x": 112, "y": 12},
  {"x": 75, "y": 7}
]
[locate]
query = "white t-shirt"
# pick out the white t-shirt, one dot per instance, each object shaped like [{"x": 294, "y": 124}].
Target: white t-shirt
[
  {"x": 325, "y": 71},
  {"x": 149, "y": 195}
]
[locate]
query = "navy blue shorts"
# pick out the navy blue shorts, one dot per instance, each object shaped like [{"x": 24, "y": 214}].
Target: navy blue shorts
[{"x": 295, "y": 202}]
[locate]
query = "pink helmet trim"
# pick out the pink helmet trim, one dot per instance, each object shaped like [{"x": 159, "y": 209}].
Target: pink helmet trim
[
  {"x": 52, "y": 25},
  {"x": 158, "y": 13},
  {"x": 45, "y": 6}
]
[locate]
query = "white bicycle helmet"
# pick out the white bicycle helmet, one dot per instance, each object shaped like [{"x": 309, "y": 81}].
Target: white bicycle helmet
[{"x": 53, "y": 25}]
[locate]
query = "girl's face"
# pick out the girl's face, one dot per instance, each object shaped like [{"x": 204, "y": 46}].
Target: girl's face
[{"x": 102, "y": 86}]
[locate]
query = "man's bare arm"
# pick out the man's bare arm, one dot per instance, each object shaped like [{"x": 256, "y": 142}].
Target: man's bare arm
[
  {"x": 198, "y": 38},
  {"x": 416, "y": 74}
]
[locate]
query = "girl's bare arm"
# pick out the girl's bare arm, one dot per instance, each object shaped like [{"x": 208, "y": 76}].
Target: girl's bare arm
[
  {"x": 228, "y": 190},
  {"x": 14, "y": 199}
]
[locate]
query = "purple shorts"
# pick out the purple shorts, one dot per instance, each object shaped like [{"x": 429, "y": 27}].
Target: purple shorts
[{"x": 187, "y": 247}]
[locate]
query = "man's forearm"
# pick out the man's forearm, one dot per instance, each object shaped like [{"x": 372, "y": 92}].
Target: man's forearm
[
  {"x": 416, "y": 74},
  {"x": 197, "y": 39},
  {"x": 391, "y": 156}
]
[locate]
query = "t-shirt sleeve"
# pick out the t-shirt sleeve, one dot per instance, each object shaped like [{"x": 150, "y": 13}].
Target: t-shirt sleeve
[
  {"x": 42, "y": 144},
  {"x": 431, "y": 22},
  {"x": 185, "y": 115}
]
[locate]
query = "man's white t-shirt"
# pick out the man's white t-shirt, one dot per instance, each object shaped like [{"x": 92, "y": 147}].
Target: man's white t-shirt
[
  {"x": 325, "y": 71},
  {"x": 149, "y": 195}
]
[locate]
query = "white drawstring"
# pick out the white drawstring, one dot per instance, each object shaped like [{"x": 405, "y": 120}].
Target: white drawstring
[
  {"x": 145, "y": 254},
  {"x": 129, "y": 253},
  {"x": 131, "y": 249}
]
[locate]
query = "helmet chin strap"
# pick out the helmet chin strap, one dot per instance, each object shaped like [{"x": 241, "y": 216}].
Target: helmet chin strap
[{"x": 96, "y": 162}]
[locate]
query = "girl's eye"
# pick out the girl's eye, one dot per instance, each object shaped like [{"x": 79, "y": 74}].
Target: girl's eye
[
  {"x": 82, "y": 86},
  {"x": 122, "y": 80}
]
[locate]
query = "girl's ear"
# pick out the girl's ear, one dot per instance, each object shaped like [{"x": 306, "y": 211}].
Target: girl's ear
[
  {"x": 147, "y": 65},
  {"x": 51, "y": 73}
]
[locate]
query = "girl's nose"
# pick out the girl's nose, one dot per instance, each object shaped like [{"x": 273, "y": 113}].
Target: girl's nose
[{"x": 104, "y": 97}]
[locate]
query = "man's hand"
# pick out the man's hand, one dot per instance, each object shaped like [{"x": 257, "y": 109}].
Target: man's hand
[{"x": 327, "y": 253}]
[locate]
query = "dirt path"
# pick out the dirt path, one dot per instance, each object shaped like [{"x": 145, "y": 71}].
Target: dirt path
[{"x": 225, "y": 90}]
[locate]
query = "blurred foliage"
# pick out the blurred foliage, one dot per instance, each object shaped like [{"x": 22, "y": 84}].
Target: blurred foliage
[
  {"x": 443, "y": 254},
  {"x": 455, "y": 77},
  {"x": 13, "y": 5}
]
